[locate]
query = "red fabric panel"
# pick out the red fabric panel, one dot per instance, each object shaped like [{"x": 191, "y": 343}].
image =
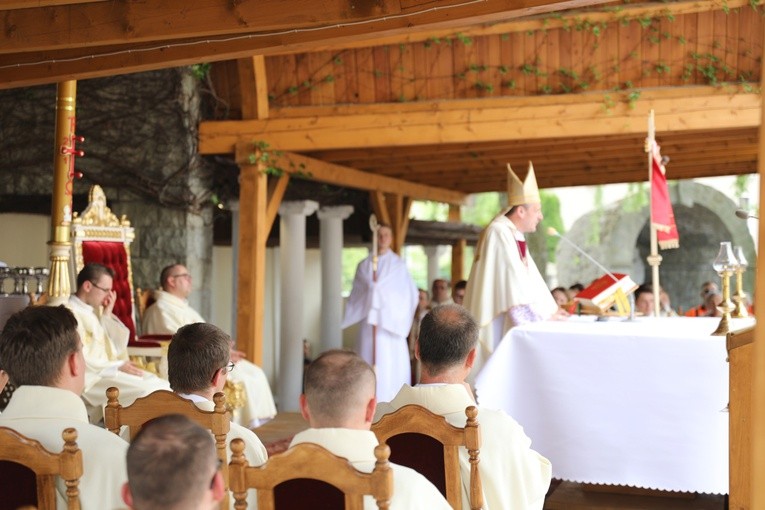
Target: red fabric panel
[
  {"x": 114, "y": 256},
  {"x": 308, "y": 493},
  {"x": 422, "y": 453}
]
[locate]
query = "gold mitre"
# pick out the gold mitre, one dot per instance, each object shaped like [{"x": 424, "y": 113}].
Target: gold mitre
[{"x": 519, "y": 193}]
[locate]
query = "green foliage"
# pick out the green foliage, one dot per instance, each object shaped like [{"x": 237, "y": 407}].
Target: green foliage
[
  {"x": 265, "y": 157},
  {"x": 741, "y": 186},
  {"x": 552, "y": 218},
  {"x": 636, "y": 198},
  {"x": 482, "y": 208},
  {"x": 351, "y": 258},
  {"x": 201, "y": 71}
]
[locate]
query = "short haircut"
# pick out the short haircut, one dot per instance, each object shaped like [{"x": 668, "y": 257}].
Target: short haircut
[
  {"x": 170, "y": 463},
  {"x": 165, "y": 274},
  {"x": 336, "y": 385},
  {"x": 36, "y": 342},
  {"x": 462, "y": 284},
  {"x": 196, "y": 352},
  {"x": 93, "y": 272},
  {"x": 447, "y": 334}
]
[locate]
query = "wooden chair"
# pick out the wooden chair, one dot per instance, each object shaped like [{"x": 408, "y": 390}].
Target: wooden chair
[
  {"x": 162, "y": 403},
  {"x": 21, "y": 453},
  {"x": 427, "y": 443},
  {"x": 309, "y": 476}
]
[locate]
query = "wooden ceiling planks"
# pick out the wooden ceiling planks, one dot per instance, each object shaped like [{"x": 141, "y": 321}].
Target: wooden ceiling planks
[
  {"x": 634, "y": 52},
  {"x": 78, "y": 40}
]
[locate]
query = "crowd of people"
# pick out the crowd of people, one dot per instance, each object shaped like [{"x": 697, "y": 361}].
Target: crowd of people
[{"x": 413, "y": 348}]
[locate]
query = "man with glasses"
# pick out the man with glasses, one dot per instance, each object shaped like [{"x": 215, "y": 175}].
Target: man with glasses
[
  {"x": 172, "y": 464},
  {"x": 172, "y": 310},
  {"x": 105, "y": 338},
  {"x": 198, "y": 365}
]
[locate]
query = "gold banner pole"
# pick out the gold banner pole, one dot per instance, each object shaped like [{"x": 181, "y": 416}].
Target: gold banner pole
[{"x": 64, "y": 153}]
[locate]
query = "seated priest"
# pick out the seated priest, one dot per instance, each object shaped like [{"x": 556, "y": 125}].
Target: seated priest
[
  {"x": 104, "y": 339},
  {"x": 512, "y": 474},
  {"x": 172, "y": 310}
]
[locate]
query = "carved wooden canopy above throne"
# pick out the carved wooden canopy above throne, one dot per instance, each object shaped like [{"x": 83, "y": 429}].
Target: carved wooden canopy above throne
[{"x": 99, "y": 236}]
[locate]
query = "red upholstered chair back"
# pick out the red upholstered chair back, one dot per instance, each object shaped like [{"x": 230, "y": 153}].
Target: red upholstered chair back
[
  {"x": 99, "y": 236},
  {"x": 114, "y": 256}
]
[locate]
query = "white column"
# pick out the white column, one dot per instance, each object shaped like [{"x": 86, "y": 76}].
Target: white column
[
  {"x": 433, "y": 253},
  {"x": 331, "y": 246},
  {"x": 292, "y": 267},
  {"x": 233, "y": 206}
]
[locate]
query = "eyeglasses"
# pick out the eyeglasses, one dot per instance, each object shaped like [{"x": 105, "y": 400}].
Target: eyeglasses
[
  {"x": 182, "y": 275},
  {"x": 229, "y": 367},
  {"x": 100, "y": 288}
]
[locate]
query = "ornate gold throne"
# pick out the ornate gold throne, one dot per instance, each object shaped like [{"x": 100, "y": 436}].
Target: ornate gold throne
[{"x": 99, "y": 236}]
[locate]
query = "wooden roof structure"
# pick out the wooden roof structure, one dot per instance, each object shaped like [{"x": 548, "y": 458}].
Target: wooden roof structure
[{"x": 416, "y": 99}]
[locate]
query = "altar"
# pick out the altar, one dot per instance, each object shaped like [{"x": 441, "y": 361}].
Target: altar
[{"x": 640, "y": 404}]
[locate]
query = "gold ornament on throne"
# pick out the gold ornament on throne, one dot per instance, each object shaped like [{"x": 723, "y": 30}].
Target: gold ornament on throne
[{"x": 235, "y": 395}]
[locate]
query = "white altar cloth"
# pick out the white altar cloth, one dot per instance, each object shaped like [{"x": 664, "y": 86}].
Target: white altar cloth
[{"x": 621, "y": 403}]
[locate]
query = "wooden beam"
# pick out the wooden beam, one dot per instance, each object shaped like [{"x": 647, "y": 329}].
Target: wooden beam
[
  {"x": 458, "y": 247},
  {"x": 276, "y": 188},
  {"x": 379, "y": 207},
  {"x": 507, "y": 119},
  {"x": 55, "y": 43},
  {"x": 758, "y": 362},
  {"x": 302, "y": 166},
  {"x": 253, "y": 87},
  {"x": 253, "y": 233},
  {"x": 7, "y": 5}
]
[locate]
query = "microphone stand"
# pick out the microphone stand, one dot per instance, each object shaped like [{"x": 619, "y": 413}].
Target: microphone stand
[{"x": 589, "y": 257}]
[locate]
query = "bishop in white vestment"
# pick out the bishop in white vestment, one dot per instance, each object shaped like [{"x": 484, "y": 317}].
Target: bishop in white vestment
[{"x": 505, "y": 287}]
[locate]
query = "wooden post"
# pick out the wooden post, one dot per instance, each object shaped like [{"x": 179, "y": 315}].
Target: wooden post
[
  {"x": 458, "y": 247},
  {"x": 758, "y": 366},
  {"x": 253, "y": 233}
]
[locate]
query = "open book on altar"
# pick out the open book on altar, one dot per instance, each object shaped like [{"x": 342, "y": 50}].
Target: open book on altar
[{"x": 605, "y": 291}]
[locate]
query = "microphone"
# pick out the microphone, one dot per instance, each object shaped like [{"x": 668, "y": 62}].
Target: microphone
[
  {"x": 552, "y": 232},
  {"x": 745, "y": 215}
]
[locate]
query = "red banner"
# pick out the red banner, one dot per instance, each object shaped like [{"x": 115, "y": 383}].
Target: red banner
[{"x": 661, "y": 208}]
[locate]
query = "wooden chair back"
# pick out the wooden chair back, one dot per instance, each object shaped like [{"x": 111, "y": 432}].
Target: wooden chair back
[
  {"x": 162, "y": 403},
  {"x": 306, "y": 475},
  {"x": 417, "y": 437},
  {"x": 18, "y": 450}
]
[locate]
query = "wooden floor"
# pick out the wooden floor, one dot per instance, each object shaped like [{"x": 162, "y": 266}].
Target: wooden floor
[{"x": 277, "y": 434}]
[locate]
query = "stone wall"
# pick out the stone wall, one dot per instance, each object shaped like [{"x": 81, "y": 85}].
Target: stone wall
[
  {"x": 619, "y": 239},
  {"x": 141, "y": 147}
]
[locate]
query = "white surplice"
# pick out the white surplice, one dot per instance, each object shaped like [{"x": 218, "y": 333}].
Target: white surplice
[
  {"x": 104, "y": 346},
  {"x": 500, "y": 280},
  {"x": 389, "y": 304}
]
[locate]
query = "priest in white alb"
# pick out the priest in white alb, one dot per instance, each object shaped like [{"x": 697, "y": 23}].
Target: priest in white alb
[
  {"x": 505, "y": 287},
  {"x": 104, "y": 343},
  {"x": 384, "y": 303},
  {"x": 172, "y": 310}
]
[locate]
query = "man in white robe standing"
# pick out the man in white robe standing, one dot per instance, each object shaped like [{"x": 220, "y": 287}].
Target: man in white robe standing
[
  {"x": 384, "y": 304},
  {"x": 512, "y": 474},
  {"x": 505, "y": 287},
  {"x": 172, "y": 310},
  {"x": 339, "y": 403},
  {"x": 105, "y": 338},
  {"x": 40, "y": 349}
]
